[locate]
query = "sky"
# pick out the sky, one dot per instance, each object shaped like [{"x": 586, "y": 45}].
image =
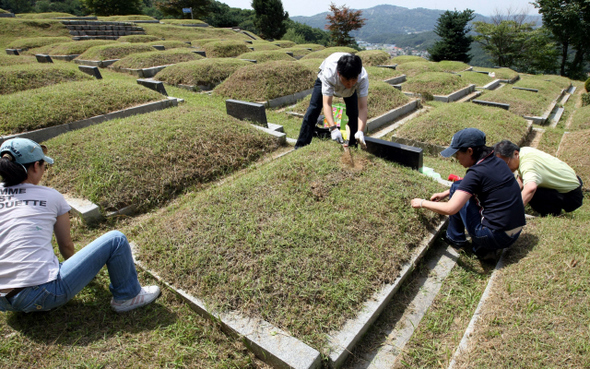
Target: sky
[{"x": 313, "y": 7}]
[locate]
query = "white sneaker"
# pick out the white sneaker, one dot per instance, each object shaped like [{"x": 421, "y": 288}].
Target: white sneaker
[{"x": 147, "y": 295}]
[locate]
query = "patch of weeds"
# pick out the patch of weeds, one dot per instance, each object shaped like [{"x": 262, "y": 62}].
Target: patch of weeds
[
  {"x": 30, "y": 43},
  {"x": 155, "y": 58},
  {"x": 138, "y": 38},
  {"x": 301, "y": 242},
  {"x": 585, "y": 99},
  {"x": 29, "y": 76},
  {"x": 436, "y": 83},
  {"x": 438, "y": 126},
  {"x": 267, "y": 55},
  {"x": 374, "y": 57},
  {"x": 204, "y": 72},
  {"x": 324, "y": 53},
  {"x": 260, "y": 82},
  {"x": 113, "y": 51},
  {"x": 68, "y": 102},
  {"x": 165, "y": 153},
  {"x": 225, "y": 49}
]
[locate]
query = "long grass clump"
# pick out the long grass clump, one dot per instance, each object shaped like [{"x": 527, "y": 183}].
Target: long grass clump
[
  {"x": 68, "y": 102},
  {"x": 267, "y": 55},
  {"x": 435, "y": 83},
  {"x": 267, "y": 81},
  {"x": 29, "y": 76},
  {"x": 33, "y": 42},
  {"x": 301, "y": 242},
  {"x": 438, "y": 126},
  {"x": 113, "y": 51},
  {"x": 156, "y": 58},
  {"x": 225, "y": 49},
  {"x": 581, "y": 118},
  {"x": 374, "y": 57},
  {"x": 163, "y": 154},
  {"x": 204, "y": 72}
]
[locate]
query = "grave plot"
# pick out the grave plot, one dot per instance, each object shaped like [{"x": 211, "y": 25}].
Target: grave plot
[
  {"x": 164, "y": 153},
  {"x": 179, "y": 33},
  {"x": 313, "y": 64},
  {"x": 374, "y": 57},
  {"x": 434, "y": 83},
  {"x": 138, "y": 38},
  {"x": 137, "y": 63},
  {"x": 225, "y": 49},
  {"x": 297, "y": 52},
  {"x": 268, "y": 82},
  {"x": 127, "y": 18},
  {"x": 313, "y": 47},
  {"x": 389, "y": 75},
  {"x": 29, "y": 76},
  {"x": 414, "y": 68},
  {"x": 433, "y": 130},
  {"x": 105, "y": 55},
  {"x": 527, "y": 102},
  {"x": 301, "y": 243},
  {"x": 324, "y": 53},
  {"x": 185, "y": 22},
  {"x": 478, "y": 79},
  {"x": 68, "y": 102},
  {"x": 34, "y": 42},
  {"x": 261, "y": 45},
  {"x": 573, "y": 150},
  {"x": 170, "y": 44},
  {"x": 284, "y": 43},
  {"x": 267, "y": 55},
  {"x": 202, "y": 74},
  {"x": 6, "y": 60},
  {"x": 69, "y": 50},
  {"x": 12, "y": 29},
  {"x": 402, "y": 59},
  {"x": 581, "y": 118},
  {"x": 505, "y": 75}
]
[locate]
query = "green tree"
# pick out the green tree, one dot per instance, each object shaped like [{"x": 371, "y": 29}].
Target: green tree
[
  {"x": 342, "y": 21},
  {"x": 174, "y": 8},
  {"x": 17, "y": 6},
  {"x": 569, "y": 22},
  {"x": 221, "y": 15},
  {"x": 455, "y": 43},
  {"x": 302, "y": 33},
  {"x": 114, "y": 7},
  {"x": 270, "y": 18}
]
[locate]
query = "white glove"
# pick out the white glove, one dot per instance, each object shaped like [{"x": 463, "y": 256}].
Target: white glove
[
  {"x": 360, "y": 137},
  {"x": 337, "y": 135}
]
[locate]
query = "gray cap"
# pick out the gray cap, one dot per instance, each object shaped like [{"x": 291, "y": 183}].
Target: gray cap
[{"x": 25, "y": 151}]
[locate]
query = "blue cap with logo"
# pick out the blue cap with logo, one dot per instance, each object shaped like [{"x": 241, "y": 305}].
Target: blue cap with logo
[
  {"x": 25, "y": 151},
  {"x": 465, "y": 138}
]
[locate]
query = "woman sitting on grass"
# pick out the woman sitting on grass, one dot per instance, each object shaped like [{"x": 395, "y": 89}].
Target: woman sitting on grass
[
  {"x": 31, "y": 277},
  {"x": 487, "y": 201}
]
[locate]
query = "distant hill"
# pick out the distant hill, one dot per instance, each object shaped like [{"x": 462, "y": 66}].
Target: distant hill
[{"x": 387, "y": 22}]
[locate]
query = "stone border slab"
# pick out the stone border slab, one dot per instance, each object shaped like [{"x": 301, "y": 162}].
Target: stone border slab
[
  {"x": 542, "y": 120},
  {"x": 45, "y": 134},
  {"x": 287, "y": 100},
  {"x": 153, "y": 85},
  {"x": 492, "y": 85},
  {"x": 396, "y": 80},
  {"x": 374, "y": 124},
  {"x": 525, "y": 89},
  {"x": 342, "y": 342},
  {"x": 271, "y": 344},
  {"x": 394, "y": 66},
  {"x": 65, "y": 57},
  {"x": 281, "y": 137},
  {"x": 85, "y": 210},
  {"x": 454, "y": 96},
  {"x": 492, "y": 104},
  {"x": 96, "y": 63},
  {"x": 6, "y": 15},
  {"x": 142, "y": 72}
]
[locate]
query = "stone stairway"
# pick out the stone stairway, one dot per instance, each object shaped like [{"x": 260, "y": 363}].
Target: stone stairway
[{"x": 90, "y": 30}]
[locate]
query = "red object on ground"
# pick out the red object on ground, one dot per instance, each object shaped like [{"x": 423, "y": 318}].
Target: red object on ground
[{"x": 454, "y": 177}]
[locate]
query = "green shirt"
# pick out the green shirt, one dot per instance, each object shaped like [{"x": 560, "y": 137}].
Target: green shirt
[{"x": 546, "y": 171}]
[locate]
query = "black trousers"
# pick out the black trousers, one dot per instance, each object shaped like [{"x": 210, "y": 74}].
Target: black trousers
[
  {"x": 314, "y": 110},
  {"x": 547, "y": 201}
]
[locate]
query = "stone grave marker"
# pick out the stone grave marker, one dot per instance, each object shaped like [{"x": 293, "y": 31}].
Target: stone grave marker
[
  {"x": 93, "y": 71},
  {"x": 42, "y": 58},
  {"x": 409, "y": 156},
  {"x": 243, "y": 110},
  {"x": 154, "y": 85}
]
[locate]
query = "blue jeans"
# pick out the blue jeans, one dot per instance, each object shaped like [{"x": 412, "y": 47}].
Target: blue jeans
[
  {"x": 75, "y": 273},
  {"x": 483, "y": 239},
  {"x": 316, "y": 104}
]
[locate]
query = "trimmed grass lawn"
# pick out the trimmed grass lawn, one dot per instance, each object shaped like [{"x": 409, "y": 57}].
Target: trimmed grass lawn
[
  {"x": 435, "y": 83},
  {"x": 29, "y": 76},
  {"x": 113, "y": 51},
  {"x": 500, "y": 73},
  {"x": 204, "y": 72},
  {"x": 225, "y": 49},
  {"x": 156, "y": 58},
  {"x": 301, "y": 242},
  {"x": 477, "y": 79}
]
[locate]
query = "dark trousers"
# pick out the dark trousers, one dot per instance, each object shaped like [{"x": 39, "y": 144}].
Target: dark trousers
[
  {"x": 314, "y": 110},
  {"x": 547, "y": 201}
]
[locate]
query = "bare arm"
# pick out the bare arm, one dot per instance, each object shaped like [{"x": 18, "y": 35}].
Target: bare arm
[
  {"x": 63, "y": 237},
  {"x": 528, "y": 191},
  {"x": 451, "y": 207},
  {"x": 328, "y": 113},
  {"x": 362, "y": 102}
]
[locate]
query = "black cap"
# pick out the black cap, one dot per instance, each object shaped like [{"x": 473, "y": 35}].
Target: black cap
[{"x": 465, "y": 138}]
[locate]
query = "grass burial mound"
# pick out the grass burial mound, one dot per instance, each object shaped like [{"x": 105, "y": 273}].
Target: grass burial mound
[
  {"x": 380, "y": 74},
  {"x": 138, "y": 38},
  {"x": 49, "y": 15},
  {"x": 434, "y": 83},
  {"x": 313, "y": 47},
  {"x": 302, "y": 242},
  {"x": 14, "y": 28},
  {"x": 70, "y": 48},
  {"x": 418, "y": 67},
  {"x": 374, "y": 57},
  {"x": 478, "y": 79},
  {"x": 225, "y": 49},
  {"x": 2, "y": 11},
  {"x": 402, "y": 59},
  {"x": 499, "y": 73},
  {"x": 261, "y": 45},
  {"x": 324, "y": 53},
  {"x": 382, "y": 98},
  {"x": 182, "y": 21},
  {"x": 573, "y": 150},
  {"x": 267, "y": 55},
  {"x": 438, "y": 126},
  {"x": 284, "y": 43},
  {"x": 180, "y": 33},
  {"x": 313, "y": 64},
  {"x": 170, "y": 44},
  {"x": 261, "y": 82},
  {"x": 205, "y": 72},
  {"x": 6, "y": 60},
  {"x": 298, "y": 52},
  {"x": 31, "y": 43},
  {"x": 164, "y": 153},
  {"x": 28, "y": 76},
  {"x": 68, "y": 102},
  {"x": 113, "y": 51},
  {"x": 155, "y": 58},
  {"x": 581, "y": 118},
  {"x": 126, "y": 18}
]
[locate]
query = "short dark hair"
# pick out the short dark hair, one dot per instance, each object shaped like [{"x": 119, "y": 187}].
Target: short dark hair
[
  {"x": 506, "y": 148},
  {"x": 349, "y": 66},
  {"x": 479, "y": 152}
]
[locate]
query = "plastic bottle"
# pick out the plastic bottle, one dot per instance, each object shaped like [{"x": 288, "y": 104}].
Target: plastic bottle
[{"x": 430, "y": 172}]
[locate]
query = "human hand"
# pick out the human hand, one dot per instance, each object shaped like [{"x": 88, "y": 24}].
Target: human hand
[
  {"x": 337, "y": 135},
  {"x": 417, "y": 203},
  {"x": 360, "y": 137},
  {"x": 437, "y": 196}
]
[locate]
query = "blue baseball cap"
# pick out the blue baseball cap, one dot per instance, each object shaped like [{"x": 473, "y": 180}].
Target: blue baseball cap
[
  {"x": 25, "y": 151},
  {"x": 465, "y": 138}
]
